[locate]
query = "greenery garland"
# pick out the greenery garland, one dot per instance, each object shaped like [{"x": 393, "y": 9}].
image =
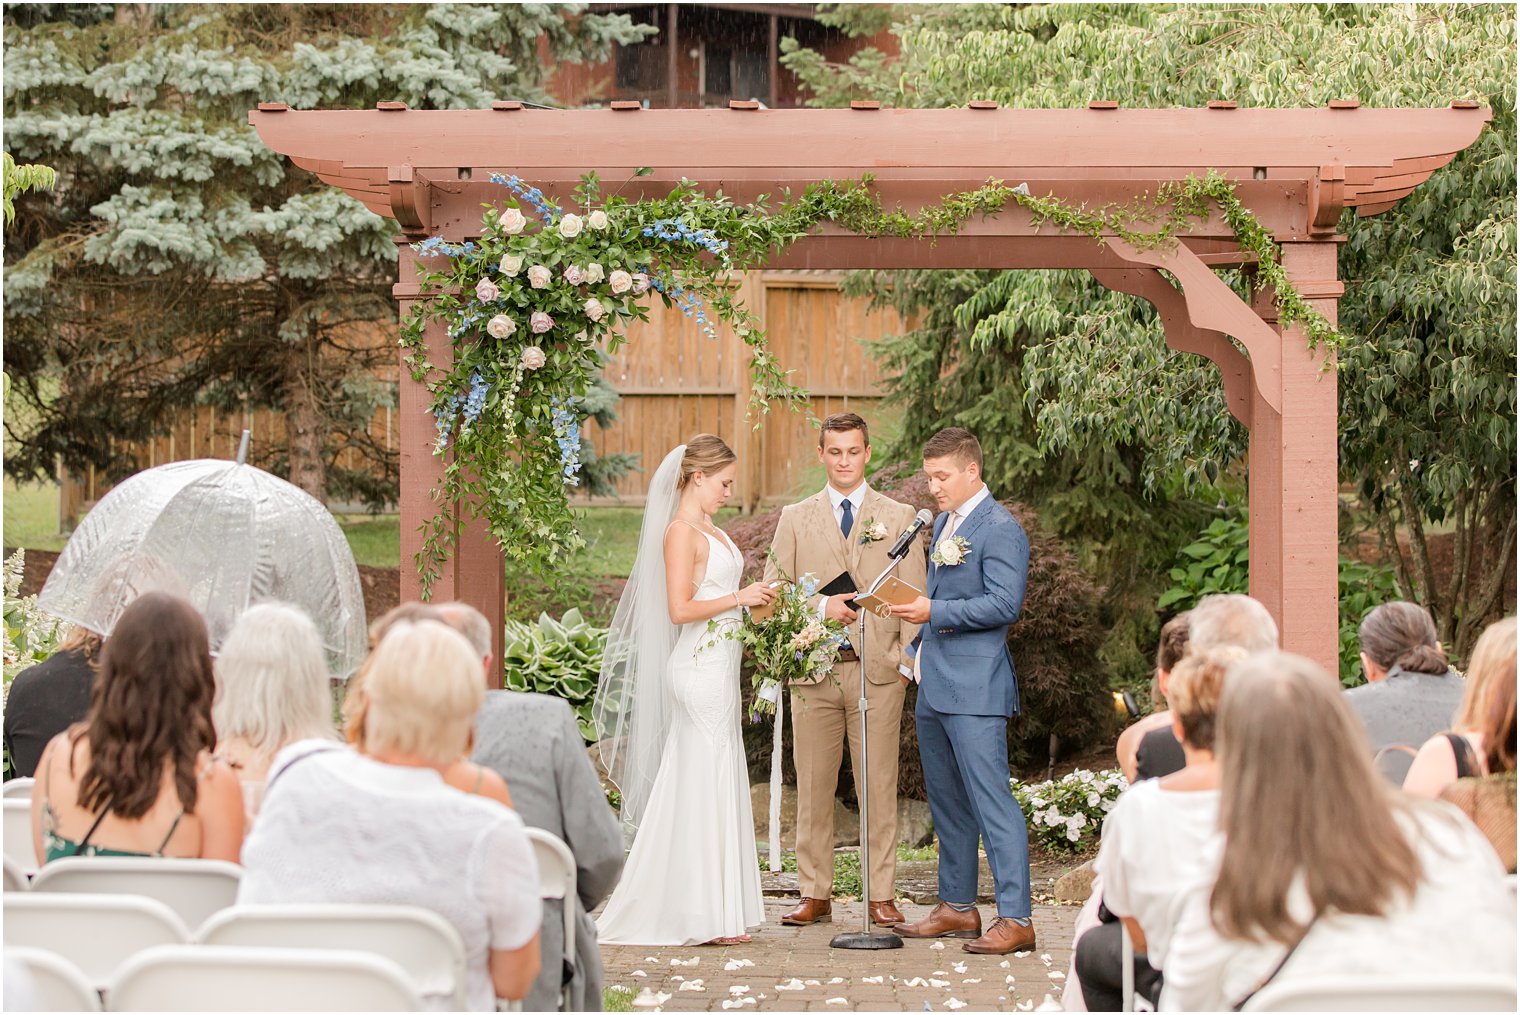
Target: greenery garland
[{"x": 534, "y": 313}]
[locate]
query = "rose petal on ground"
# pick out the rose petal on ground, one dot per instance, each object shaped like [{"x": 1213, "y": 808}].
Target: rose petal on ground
[
  {"x": 792, "y": 984},
  {"x": 915, "y": 981},
  {"x": 974, "y": 979},
  {"x": 1056, "y": 975},
  {"x": 954, "y": 1003},
  {"x": 1049, "y": 1004},
  {"x": 1025, "y": 1006},
  {"x": 1008, "y": 979},
  {"x": 739, "y": 989},
  {"x": 638, "y": 972},
  {"x": 733, "y": 1004},
  {"x": 695, "y": 985},
  {"x": 938, "y": 946},
  {"x": 939, "y": 983},
  {"x": 1005, "y": 963},
  {"x": 1022, "y": 955},
  {"x": 872, "y": 979},
  {"x": 678, "y": 978},
  {"x": 812, "y": 983},
  {"x": 649, "y": 999},
  {"x": 732, "y": 964},
  {"x": 939, "y": 972},
  {"x": 959, "y": 967},
  {"x": 837, "y": 1000},
  {"x": 1045, "y": 957},
  {"x": 837, "y": 979}
]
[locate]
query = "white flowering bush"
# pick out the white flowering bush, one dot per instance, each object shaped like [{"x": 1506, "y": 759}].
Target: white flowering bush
[
  {"x": 30, "y": 635},
  {"x": 1065, "y": 813}
]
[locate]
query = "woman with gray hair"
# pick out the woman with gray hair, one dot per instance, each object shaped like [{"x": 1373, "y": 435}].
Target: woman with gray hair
[{"x": 271, "y": 690}]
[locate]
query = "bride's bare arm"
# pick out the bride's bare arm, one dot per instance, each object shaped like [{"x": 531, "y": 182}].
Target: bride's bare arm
[{"x": 685, "y": 549}]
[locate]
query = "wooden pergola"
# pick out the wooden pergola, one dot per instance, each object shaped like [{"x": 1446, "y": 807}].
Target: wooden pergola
[{"x": 1296, "y": 170}]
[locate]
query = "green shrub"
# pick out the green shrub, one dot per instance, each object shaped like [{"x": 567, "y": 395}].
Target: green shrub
[
  {"x": 557, "y": 657},
  {"x": 1217, "y": 562}
]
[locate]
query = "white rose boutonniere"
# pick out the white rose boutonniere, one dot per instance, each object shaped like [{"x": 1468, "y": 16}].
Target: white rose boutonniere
[
  {"x": 951, "y": 552},
  {"x": 872, "y": 531}
]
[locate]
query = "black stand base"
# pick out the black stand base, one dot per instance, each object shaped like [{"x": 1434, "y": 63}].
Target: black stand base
[{"x": 865, "y": 940}]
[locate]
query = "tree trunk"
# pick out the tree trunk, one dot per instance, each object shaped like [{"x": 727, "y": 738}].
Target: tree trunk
[{"x": 305, "y": 425}]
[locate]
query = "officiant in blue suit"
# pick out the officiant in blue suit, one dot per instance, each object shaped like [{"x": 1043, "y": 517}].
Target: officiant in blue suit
[{"x": 967, "y": 692}]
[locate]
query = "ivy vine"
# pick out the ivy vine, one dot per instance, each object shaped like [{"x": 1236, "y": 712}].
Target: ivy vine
[{"x": 535, "y": 306}]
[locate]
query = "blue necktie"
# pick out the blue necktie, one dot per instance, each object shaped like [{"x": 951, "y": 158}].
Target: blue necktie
[{"x": 846, "y": 520}]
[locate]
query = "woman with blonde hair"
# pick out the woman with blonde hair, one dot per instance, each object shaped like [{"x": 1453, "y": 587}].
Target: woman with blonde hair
[
  {"x": 1320, "y": 868},
  {"x": 1154, "y": 838},
  {"x": 1483, "y": 742},
  {"x": 379, "y": 824},
  {"x": 272, "y": 689}
]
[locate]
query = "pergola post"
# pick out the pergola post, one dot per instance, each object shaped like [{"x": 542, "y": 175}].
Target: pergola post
[
  {"x": 1294, "y": 474},
  {"x": 475, "y": 573}
]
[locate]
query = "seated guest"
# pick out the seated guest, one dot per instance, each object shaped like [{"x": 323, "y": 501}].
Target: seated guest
[
  {"x": 272, "y": 689},
  {"x": 1484, "y": 739},
  {"x": 1321, "y": 870},
  {"x": 137, "y": 777},
  {"x": 533, "y": 740},
  {"x": 1411, "y": 693},
  {"x": 1153, "y": 841},
  {"x": 1216, "y": 622},
  {"x": 48, "y": 698},
  {"x": 380, "y": 825},
  {"x": 463, "y": 774},
  {"x": 1170, "y": 650}
]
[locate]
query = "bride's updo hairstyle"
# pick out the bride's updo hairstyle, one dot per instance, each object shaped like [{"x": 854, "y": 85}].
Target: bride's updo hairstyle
[{"x": 706, "y": 454}]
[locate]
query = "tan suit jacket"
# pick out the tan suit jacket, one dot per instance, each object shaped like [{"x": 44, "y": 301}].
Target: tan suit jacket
[{"x": 808, "y": 540}]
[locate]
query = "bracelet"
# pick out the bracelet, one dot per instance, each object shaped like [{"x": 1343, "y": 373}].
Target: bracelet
[{"x": 737, "y": 604}]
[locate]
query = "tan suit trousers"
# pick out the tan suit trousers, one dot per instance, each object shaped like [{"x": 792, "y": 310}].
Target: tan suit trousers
[{"x": 823, "y": 716}]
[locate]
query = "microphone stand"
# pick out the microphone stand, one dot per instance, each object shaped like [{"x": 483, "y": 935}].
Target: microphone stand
[{"x": 867, "y": 938}]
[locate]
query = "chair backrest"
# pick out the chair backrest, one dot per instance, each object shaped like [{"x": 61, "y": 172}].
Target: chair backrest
[
  {"x": 18, "y": 833},
  {"x": 15, "y": 878},
  {"x": 204, "y": 978},
  {"x": 423, "y": 944},
  {"x": 97, "y": 933},
  {"x": 194, "y": 889},
  {"x": 1388, "y": 993},
  {"x": 557, "y": 878},
  {"x": 21, "y": 787},
  {"x": 54, "y": 983}
]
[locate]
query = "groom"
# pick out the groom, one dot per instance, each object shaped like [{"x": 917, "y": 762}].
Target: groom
[
  {"x": 847, "y": 527},
  {"x": 967, "y": 693}
]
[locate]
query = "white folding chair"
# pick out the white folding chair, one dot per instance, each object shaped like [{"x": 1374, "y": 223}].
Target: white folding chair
[
  {"x": 557, "y": 880},
  {"x": 1389, "y": 993},
  {"x": 423, "y": 944},
  {"x": 194, "y": 889},
  {"x": 18, "y": 833},
  {"x": 1126, "y": 969},
  {"x": 97, "y": 933},
  {"x": 55, "y": 983},
  {"x": 20, "y": 788},
  {"x": 15, "y": 878},
  {"x": 203, "y": 978}
]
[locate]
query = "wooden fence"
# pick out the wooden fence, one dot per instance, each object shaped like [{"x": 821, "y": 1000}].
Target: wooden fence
[{"x": 674, "y": 382}]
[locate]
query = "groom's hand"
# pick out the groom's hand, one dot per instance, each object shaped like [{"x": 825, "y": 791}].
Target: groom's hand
[
  {"x": 838, "y": 608},
  {"x": 916, "y": 612}
]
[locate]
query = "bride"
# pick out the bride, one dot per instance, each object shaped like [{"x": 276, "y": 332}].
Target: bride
[{"x": 668, "y": 707}]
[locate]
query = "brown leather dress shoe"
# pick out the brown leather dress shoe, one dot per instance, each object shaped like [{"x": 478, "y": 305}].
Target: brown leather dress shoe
[
  {"x": 1002, "y": 937},
  {"x": 810, "y": 911},
  {"x": 943, "y": 921},
  {"x": 886, "y": 914}
]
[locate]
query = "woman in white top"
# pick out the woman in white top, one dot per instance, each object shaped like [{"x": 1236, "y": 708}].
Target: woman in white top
[
  {"x": 1153, "y": 840},
  {"x": 272, "y": 689},
  {"x": 1321, "y": 869},
  {"x": 380, "y": 825}
]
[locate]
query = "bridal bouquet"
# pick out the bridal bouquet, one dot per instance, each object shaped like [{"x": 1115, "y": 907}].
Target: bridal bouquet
[{"x": 792, "y": 643}]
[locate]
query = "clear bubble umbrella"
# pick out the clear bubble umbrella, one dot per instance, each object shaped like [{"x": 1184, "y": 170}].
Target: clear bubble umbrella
[{"x": 223, "y": 535}]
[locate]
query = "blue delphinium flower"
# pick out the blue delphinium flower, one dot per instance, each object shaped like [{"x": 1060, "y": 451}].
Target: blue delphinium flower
[
  {"x": 687, "y": 301},
  {"x": 445, "y": 421},
  {"x": 674, "y": 230},
  {"x": 470, "y": 315},
  {"x": 567, "y": 433},
  {"x": 535, "y": 197},
  {"x": 475, "y": 402},
  {"x": 433, "y": 246}
]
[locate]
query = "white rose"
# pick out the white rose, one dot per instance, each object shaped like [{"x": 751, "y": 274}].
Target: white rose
[
  {"x": 512, "y": 221},
  {"x": 511, "y": 264},
  {"x": 594, "y": 309},
  {"x": 501, "y": 326},
  {"x": 950, "y": 552},
  {"x": 570, "y": 226},
  {"x": 597, "y": 220},
  {"x": 538, "y": 277},
  {"x": 532, "y": 357},
  {"x": 594, "y": 272},
  {"x": 620, "y": 282}
]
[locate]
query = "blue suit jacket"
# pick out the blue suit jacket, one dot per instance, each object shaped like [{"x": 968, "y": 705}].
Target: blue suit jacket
[{"x": 966, "y": 668}]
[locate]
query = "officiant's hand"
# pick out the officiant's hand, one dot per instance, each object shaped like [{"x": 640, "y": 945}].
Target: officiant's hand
[
  {"x": 916, "y": 612},
  {"x": 756, "y": 594},
  {"x": 839, "y": 608}
]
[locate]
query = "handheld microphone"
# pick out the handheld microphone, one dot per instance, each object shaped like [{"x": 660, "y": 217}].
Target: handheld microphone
[{"x": 900, "y": 548}]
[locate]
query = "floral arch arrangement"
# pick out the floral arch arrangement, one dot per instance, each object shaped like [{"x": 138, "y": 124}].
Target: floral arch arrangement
[{"x": 536, "y": 305}]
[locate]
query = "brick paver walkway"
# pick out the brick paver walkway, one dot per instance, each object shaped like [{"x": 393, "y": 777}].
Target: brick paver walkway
[{"x": 794, "y": 969}]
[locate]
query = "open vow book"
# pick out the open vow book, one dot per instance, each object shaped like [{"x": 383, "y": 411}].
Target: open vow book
[{"x": 889, "y": 591}]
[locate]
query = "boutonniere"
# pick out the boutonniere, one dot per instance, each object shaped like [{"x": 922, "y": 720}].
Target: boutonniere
[
  {"x": 951, "y": 552},
  {"x": 872, "y": 531}
]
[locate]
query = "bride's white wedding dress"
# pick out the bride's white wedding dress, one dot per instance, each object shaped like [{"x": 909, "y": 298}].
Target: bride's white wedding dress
[{"x": 693, "y": 874}]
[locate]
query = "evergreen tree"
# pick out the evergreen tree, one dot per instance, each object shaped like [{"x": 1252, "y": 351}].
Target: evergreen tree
[{"x": 180, "y": 262}]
